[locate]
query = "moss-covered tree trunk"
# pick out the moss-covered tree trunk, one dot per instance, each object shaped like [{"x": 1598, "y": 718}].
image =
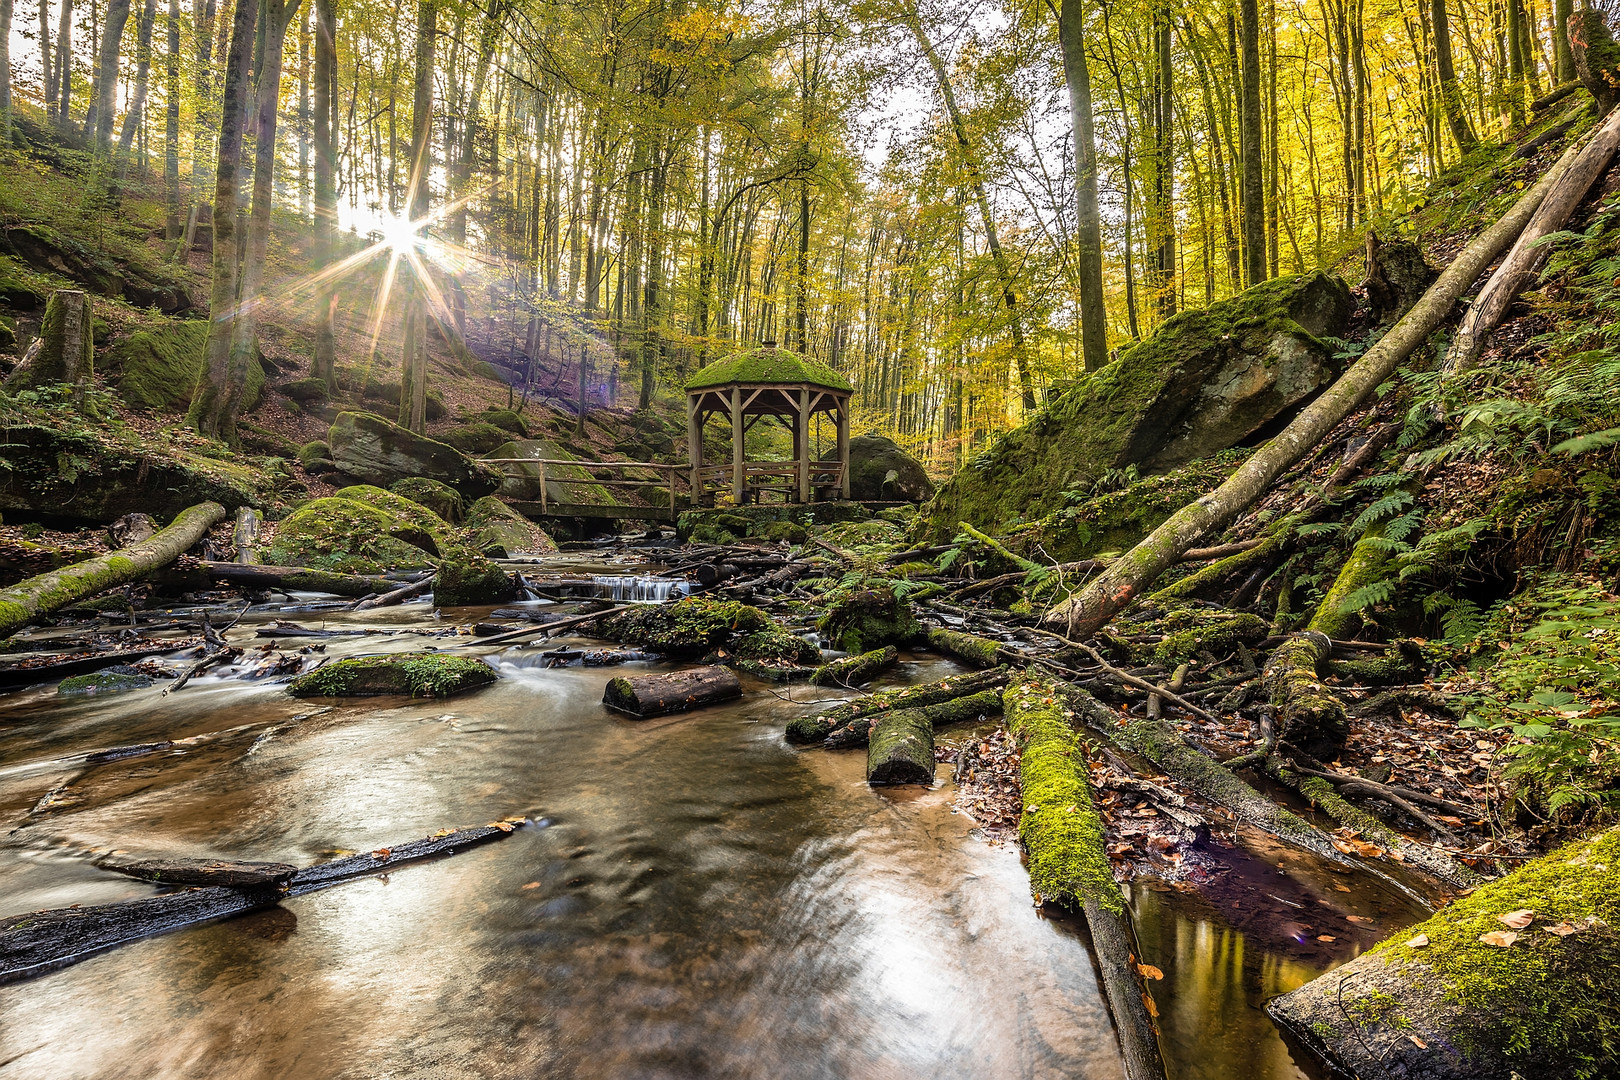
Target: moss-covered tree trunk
[
  {"x": 1596, "y": 56},
  {"x": 644, "y": 696},
  {"x": 1068, "y": 860},
  {"x": 1309, "y": 715},
  {"x": 1124, "y": 580},
  {"x": 855, "y": 670},
  {"x": 37, "y": 596},
  {"x": 1520, "y": 978},
  {"x": 65, "y": 350},
  {"x": 901, "y": 750}
]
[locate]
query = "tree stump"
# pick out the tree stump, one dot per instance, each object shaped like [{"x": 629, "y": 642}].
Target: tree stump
[
  {"x": 644, "y": 696},
  {"x": 65, "y": 351},
  {"x": 901, "y": 750}
]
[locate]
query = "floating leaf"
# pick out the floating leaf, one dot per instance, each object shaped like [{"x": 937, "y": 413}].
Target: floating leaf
[
  {"x": 1500, "y": 938},
  {"x": 382, "y": 853}
]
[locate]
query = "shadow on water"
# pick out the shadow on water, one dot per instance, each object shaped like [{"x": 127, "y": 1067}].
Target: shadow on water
[{"x": 695, "y": 900}]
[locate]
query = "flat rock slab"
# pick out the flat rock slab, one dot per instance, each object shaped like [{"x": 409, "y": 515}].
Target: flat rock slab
[
  {"x": 229, "y": 873},
  {"x": 643, "y": 696}
]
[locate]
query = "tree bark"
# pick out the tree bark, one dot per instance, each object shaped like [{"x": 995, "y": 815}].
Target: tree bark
[
  {"x": 302, "y": 578},
  {"x": 171, "y": 129},
  {"x": 98, "y": 123},
  {"x": 1528, "y": 254},
  {"x": 413, "y": 387},
  {"x": 325, "y": 345},
  {"x": 816, "y": 728},
  {"x": 855, "y": 670},
  {"x": 63, "y": 71},
  {"x": 230, "y": 873},
  {"x": 5, "y": 71},
  {"x": 644, "y": 696},
  {"x": 1088, "y": 215},
  {"x": 28, "y": 600},
  {"x": 901, "y": 749},
  {"x": 1253, "y": 126},
  {"x": 136, "y": 116},
  {"x": 1123, "y": 582},
  {"x": 65, "y": 351},
  {"x": 213, "y": 405},
  {"x": 1446, "y": 76},
  {"x": 965, "y": 709}
]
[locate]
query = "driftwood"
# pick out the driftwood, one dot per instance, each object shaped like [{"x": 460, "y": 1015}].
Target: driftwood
[
  {"x": 246, "y": 535},
  {"x": 27, "y": 600},
  {"x": 644, "y": 696},
  {"x": 547, "y": 628},
  {"x": 901, "y": 750},
  {"x": 1529, "y": 254},
  {"x": 854, "y": 670},
  {"x": 230, "y": 873},
  {"x": 1119, "y": 586},
  {"x": 42, "y": 941},
  {"x": 301, "y": 578},
  {"x": 396, "y": 596}
]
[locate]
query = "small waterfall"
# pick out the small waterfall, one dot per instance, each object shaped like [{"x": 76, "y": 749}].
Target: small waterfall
[{"x": 627, "y": 589}]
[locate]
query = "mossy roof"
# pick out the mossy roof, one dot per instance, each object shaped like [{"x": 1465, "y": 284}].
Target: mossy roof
[{"x": 767, "y": 365}]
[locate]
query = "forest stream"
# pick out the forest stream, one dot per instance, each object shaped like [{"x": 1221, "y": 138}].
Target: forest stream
[{"x": 692, "y": 898}]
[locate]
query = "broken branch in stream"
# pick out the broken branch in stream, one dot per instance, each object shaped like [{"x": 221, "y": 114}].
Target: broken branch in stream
[{"x": 43, "y": 941}]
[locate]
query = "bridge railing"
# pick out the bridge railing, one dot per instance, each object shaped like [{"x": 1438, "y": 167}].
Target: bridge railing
[{"x": 672, "y": 475}]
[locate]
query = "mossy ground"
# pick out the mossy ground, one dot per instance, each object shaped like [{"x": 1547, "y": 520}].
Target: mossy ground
[{"x": 694, "y": 625}]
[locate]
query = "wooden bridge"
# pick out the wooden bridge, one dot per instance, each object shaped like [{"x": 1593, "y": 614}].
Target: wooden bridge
[{"x": 547, "y": 471}]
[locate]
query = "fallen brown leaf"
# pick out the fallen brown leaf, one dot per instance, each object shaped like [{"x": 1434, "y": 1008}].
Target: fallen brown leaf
[
  {"x": 1326, "y": 937},
  {"x": 1149, "y": 971},
  {"x": 1500, "y": 938},
  {"x": 1518, "y": 920},
  {"x": 1419, "y": 942}
]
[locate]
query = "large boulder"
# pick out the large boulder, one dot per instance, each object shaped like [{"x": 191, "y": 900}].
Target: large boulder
[
  {"x": 1206, "y": 381},
  {"x": 98, "y": 475},
  {"x": 351, "y": 537},
  {"x": 44, "y": 248},
  {"x": 371, "y": 450},
  {"x": 434, "y": 531},
  {"x": 467, "y": 577},
  {"x": 158, "y": 369},
  {"x": 564, "y": 483},
  {"x": 879, "y": 471},
  {"x": 499, "y": 531}
]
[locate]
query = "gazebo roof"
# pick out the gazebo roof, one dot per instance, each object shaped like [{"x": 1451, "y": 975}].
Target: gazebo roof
[{"x": 767, "y": 366}]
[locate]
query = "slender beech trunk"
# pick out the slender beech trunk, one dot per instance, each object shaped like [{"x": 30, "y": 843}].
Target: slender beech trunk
[
  {"x": 1563, "y": 58},
  {"x": 1450, "y": 92},
  {"x": 47, "y": 72},
  {"x": 304, "y": 115},
  {"x": 1125, "y": 579},
  {"x": 5, "y": 71},
  {"x": 413, "y": 388},
  {"x": 98, "y": 121},
  {"x": 1162, "y": 224},
  {"x": 214, "y": 404},
  {"x": 171, "y": 126},
  {"x": 1088, "y": 216},
  {"x": 143, "y": 70},
  {"x": 64, "y": 64},
  {"x": 1252, "y": 127},
  {"x": 325, "y": 186}
]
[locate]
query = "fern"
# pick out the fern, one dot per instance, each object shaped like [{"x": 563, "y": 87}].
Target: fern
[
  {"x": 1369, "y": 595},
  {"x": 1379, "y": 509}
]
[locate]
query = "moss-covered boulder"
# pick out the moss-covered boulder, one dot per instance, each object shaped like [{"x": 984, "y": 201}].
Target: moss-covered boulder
[
  {"x": 688, "y": 627},
  {"x": 564, "y": 483},
  {"x": 436, "y": 532},
  {"x": 868, "y": 619},
  {"x": 475, "y": 438},
  {"x": 107, "y": 681},
  {"x": 499, "y": 531},
  {"x": 417, "y": 674},
  {"x": 316, "y": 457},
  {"x": 879, "y": 471},
  {"x": 158, "y": 369},
  {"x": 145, "y": 285},
  {"x": 777, "y": 645},
  {"x": 1207, "y": 380},
  {"x": 445, "y": 501},
  {"x": 305, "y": 391},
  {"x": 349, "y": 536},
  {"x": 99, "y": 475},
  {"x": 374, "y": 451},
  {"x": 1520, "y": 978},
  {"x": 468, "y": 578}
]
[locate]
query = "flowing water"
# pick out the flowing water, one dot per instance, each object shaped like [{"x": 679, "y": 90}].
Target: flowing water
[{"x": 694, "y": 899}]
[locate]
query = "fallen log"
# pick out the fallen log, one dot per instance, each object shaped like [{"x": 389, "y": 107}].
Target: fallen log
[
  {"x": 1529, "y": 254},
  {"x": 854, "y": 670},
  {"x": 547, "y": 628},
  {"x": 397, "y": 596},
  {"x": 1082, "y": 615},
  {"x": 1068, "y": 862},
  {"x": 1308, "y": 714},
  {"x": 901, "y": 750},
  {"x": 27, "y": 600},
  {"x": 1555, "y": 95},
  {"x": 232, "y": 874},
  {"x": 1520, "y": 978},
  {"x": 1086, "y": 566},
  {"x": 42, "y": 941},
  {"x": 300, "y": 578},
  {"x": 966, "y": 709},
  {"x": 644, "y": 696},
  {"x": 816, "y": 728}
]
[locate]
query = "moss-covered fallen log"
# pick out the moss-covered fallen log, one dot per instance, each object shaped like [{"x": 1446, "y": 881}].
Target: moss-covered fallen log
[
  {"x": 660, "y": 694},
  {"x": 1519, "y": 978},
  {"x": 962, "y": 710},
  {"x": 1122, "y": 583},
  {"x": 1068, "y": 859},
  {"x": 901, "y": 750},
  {"x": 1159, "y": 743},
  {"x": 968, "y": 648},
  {"x": 43, "y": 941},
  {"x": 301, "y": 578},
  {"x": 816, "y": 727},
  {"x": 855, "y": 670},
  {"x": 1308, "y": 714},
  {"x": 28, "y": 600}
]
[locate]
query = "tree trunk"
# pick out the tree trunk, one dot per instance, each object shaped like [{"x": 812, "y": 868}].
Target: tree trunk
[
  {"x": 5, "y": 72},
  {"x": 98, "y": 122},
  {"x": 47, "y": 74},
  {"x": 1528, "y": 254},
  {"x": 246, "y": 535},
  {"x": 325, "y": 345},
  {"x": 644, "y": 696},
  {"x": 1563, "y": 59},
  {"x": 28, "y": 600},
  {"x": 65, "y": 351},
  {"x": 64, "y": 64},
  {"x": 413, "y": 387},
  {"x": 229, "y": 873},
  {"x": 214, "y": 405},
  {"x": 171, "y": 128},
  {"x": 1446, "y": 75},
  {"x": 816, "y": 728},
  {"x": 1252, "y": 149},
  {"x": 1123, "y": 581},
  {"x": 966, "y": 709},
  {"x": 1088, "y": 215},
  {"x": 852, "y": 671},
  {"x": 136, "y": 116},
  {"x": 1307, "y": 713},
  {"x": 901, "y": 749}
]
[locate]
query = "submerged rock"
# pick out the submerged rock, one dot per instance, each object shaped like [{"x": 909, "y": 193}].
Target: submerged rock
[
  {"x": 1207, "y": 380},
  {"x": 689, "y": 627},
  {"x": 467, "y": 577},
  {"x": 879, "y": 471},
  {"x": 107, "y": 681},
  {"x": 373, "y": 451},
  {"x": 417, "y": 674}
]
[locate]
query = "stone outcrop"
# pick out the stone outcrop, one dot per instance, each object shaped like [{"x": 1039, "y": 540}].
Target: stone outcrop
[
  {"x": 371, "y": 450},
  {"x": 880, "y": 471}
]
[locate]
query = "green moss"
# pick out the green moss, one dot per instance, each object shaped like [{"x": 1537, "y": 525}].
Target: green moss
[
  {"x": 765, "y": 365},
  {"x": 776, "y": 643},
  {"x": 499, "y": 531},
  {"x": 415, "y": 674},
  {"x": 506, "y": 420},
  {"x": 306, "y": 390},
  {"x": 158, "y": 369},
  {"x": 694, "y": 625},
  {"x": 314, "y": 453},
  {"x": 1546, "y": 1004},
  {"x": 968, "y": 647},
  {"x": 443, "y": 500},
  {"x": 348, "y": 536},
  {"x": 868, "y": 619},
  {"x": 468, "y": 578},
  {"x": 1190, "y": 631},
  {"x": 1068, "y": 860},
  {"x": 399, "y": 507},
  {"x": 475, "y": 438},
  {"x": 786, "y": 532},
  {"x": 102, "y": 682}
]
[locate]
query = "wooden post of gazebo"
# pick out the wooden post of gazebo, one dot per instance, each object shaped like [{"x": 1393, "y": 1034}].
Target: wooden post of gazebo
[{"x": 767, "y": 382}]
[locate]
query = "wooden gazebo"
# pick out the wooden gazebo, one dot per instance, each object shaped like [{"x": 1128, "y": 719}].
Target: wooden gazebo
[{"x": 768, "y": 381}]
